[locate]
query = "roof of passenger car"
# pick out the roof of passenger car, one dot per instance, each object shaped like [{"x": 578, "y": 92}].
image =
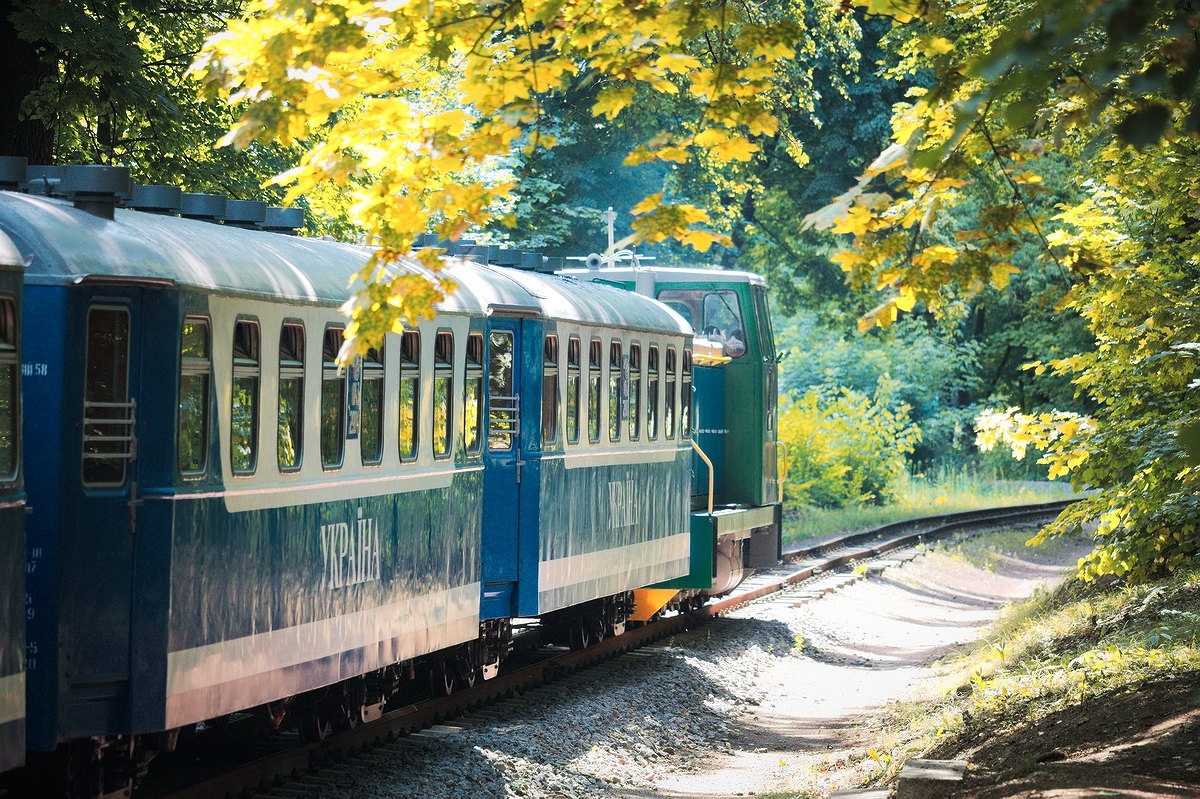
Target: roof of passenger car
[{"x": 65, "y": 245}]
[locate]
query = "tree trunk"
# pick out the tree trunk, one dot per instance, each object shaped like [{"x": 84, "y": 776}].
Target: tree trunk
[{"x": 24, "y": 70}]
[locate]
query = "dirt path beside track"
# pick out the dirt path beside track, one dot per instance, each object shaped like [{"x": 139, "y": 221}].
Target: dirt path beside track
[{"x": 870, "y": 643}]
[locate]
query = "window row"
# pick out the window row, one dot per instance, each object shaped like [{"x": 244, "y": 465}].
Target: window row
[
  {"x": 351, "y": 401},
  {"x": 633, "y": 393}
]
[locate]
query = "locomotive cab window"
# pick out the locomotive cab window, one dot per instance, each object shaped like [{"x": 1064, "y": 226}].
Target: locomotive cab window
[
  {"x": 443, "y": 390},
  {"x": 473, "y": 394},
  {"x": 371, "y": 409},
  {"x": 290, "y": 442},
  {"x": 635, "y": 391},
  {"x": 195, "y": 376},
  {"x": 243, "y": 414},
  {"x": 550, "y": 390},
  {"x": 766, "y": 345},
  {"x": 410, "y": 384},
  {"x": 333, "y": 401},
  {"x": 685, "y": 399},
  {"x": 573, "y": 389},
  {"x": 715, "y": 314},
  {"x": 593, "y": 400},
  {"x": 10, "y": 424}
]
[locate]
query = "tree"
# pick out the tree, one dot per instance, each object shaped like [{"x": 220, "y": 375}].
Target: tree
[
  {"x": 97, "y": 81},
  {"x": 1111, "y": 86},
  {"x": 414, "y": 108}
]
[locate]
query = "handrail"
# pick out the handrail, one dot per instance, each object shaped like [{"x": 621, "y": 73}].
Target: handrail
[
  {"x": 110, "y": 430},
  {"x": 704, "y": 458}
]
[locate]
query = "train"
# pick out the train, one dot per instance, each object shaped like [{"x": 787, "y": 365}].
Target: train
[
  {"x": 526, "y": 454},
  {"x": 12, "y": 514}
]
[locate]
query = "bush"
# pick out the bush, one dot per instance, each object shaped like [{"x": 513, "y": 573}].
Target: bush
[{"x": 844, "y": 447}]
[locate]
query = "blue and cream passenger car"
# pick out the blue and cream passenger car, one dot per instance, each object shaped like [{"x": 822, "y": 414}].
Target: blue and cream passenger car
[
  {"x": 12, "y": 515},
  {"x": 225, "y": 519}
]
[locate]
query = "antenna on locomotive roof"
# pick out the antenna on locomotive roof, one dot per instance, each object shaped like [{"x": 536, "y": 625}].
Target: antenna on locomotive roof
[{"x": 610, "y": 258}]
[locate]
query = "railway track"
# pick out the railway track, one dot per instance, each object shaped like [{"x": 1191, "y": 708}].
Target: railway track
[{"x": 281, "y": 765}]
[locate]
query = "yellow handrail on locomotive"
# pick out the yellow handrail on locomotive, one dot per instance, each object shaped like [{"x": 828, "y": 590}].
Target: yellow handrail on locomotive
[
  {"x": 781, "y": 463},
  {"x": 708, "y": 463}
]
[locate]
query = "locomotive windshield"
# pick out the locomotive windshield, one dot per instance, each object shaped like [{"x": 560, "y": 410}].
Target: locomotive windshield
[{"x": 714, "y": 314}]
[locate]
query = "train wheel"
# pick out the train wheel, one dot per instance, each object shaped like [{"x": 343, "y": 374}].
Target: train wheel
[
  {"x": 315, "y": 724},
  {"x": 441, "y": 677},
  {"x": 581, "y": 637}
]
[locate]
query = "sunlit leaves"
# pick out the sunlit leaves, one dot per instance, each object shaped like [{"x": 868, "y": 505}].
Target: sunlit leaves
[
  {"x": 1111, "y": 86},
  {"x": 413, "y": 108},
  {"x": 845, "y": 447}
]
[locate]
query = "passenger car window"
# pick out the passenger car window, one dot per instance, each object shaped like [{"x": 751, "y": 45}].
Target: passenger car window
[
  {"x": 243, "y": 415},
  {"x": 614, "y": 391},
  {"x": 410, "y": 384},
  {"x": 443, "y": 390},
  {"x": 635, "y": 391},
  {"x": 473, "y": 393},
  {"x": 290, "y": 444},
  {"x": 371, "y": 436},
  {"x": 669, "y": 414},
  {"x": 652, "y": 393},
  {"x": 502, "y": 399},
  {"x": 573, "y": 347},
  {"x": 333, "y": 401},
  {"x": 108, "y": 424},
  {"x": 550, "y": 390},
  {"x": 195, "y": 376},
  {"x": 594, "y": 388}
]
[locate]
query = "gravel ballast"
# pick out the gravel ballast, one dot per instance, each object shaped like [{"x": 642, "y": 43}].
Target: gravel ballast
[{"x": 781, "y": 696}]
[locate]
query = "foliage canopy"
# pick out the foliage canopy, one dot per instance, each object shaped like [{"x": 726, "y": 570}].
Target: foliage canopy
[
  {"x": 413, "y": 107},
  {"x": 1110, "y": 85}
]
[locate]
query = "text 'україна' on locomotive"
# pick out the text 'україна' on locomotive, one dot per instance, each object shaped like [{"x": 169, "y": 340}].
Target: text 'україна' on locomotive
[{"x": 222, "y": 518}]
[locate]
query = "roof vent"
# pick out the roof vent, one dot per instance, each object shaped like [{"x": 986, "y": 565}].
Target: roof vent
[
  {"x": 205, "y": 207},
  {"x": 156, "y": 199},
  {"x": 283, "y": 220},
  {"x": 249, "y": 214},
  {"x": 550, "y": 264},
  {"x": 42, "y": 180},
  {"x": 94, "y": 188},
  {"x": 506, "y": 256},
  {"x": 12, "y": 171},
  {"x": 479, "y": 253}
]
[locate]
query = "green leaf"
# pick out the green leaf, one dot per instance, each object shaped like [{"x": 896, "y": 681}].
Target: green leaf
[
  {"x": 1189, "y": 437},
  {"x": 1019, "y": 114},
  {"x": 1144, "y": 127}
]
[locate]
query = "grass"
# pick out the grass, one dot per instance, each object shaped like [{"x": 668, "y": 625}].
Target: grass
[
  {"x": 920, "y": 496},
  {"x": 1051, "y": 653}
]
